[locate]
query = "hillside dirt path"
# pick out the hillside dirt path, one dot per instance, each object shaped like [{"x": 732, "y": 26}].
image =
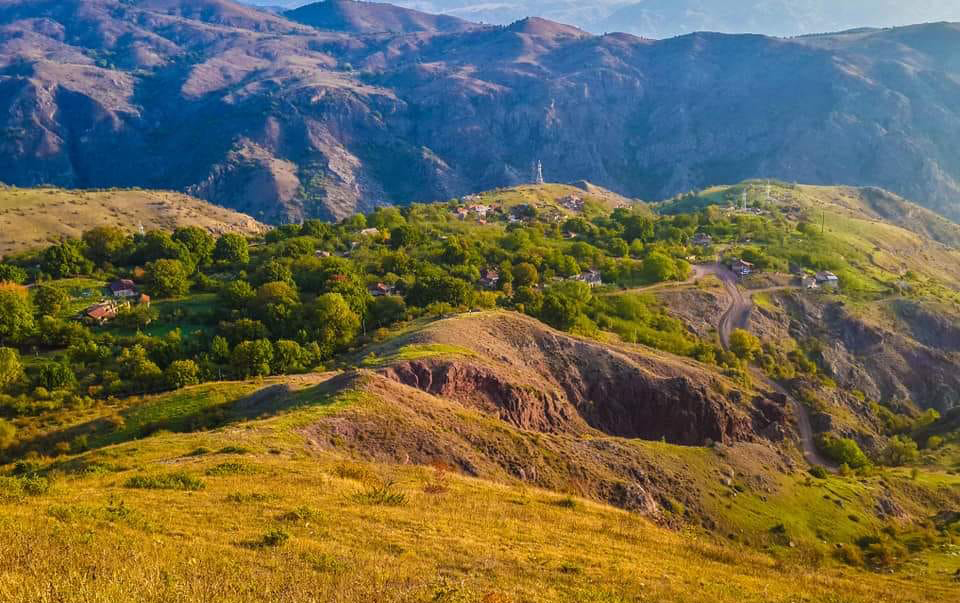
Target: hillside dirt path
[
  {"x": 698, "y": 271},
  {"x": 737, "y": 316}
]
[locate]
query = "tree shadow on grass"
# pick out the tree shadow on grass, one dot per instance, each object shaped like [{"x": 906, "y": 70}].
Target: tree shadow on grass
[{"x": 210, "y": 411}]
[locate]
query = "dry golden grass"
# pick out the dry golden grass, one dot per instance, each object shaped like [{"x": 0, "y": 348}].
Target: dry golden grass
[
  {"x": 32, "y": 218},
  {"x": 93, "y": 540}
]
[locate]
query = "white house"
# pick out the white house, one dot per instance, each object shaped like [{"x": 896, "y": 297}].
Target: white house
[{"x": 828, "y": 279}]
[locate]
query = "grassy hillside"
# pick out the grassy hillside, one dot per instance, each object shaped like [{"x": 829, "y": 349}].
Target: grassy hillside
[
  {"x": 546, "y": 196},
  {"x": 31, "y": 218},
  {"x": 875, "y": 237},
  {"x": 255, "y": 511}
]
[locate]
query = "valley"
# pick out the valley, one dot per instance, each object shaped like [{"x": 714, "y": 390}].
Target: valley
[
  {"x": 351, "y": 302},
  {"x": 538, "y": 393}
]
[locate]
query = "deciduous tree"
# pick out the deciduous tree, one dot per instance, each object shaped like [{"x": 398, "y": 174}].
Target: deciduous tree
[
  {"x": 167, "y": 278},
  {"x": 11, "y": 370},
  {"x": 16, "y": 313}
]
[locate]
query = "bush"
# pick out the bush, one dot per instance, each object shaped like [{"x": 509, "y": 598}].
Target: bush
[
  {"x": 55, "y": 375},
  {"x": 744, "y": 344},
  {"x": 900, "y": 450},
  {"x": 251, "y": 497},
  {"x": 171, "y": 481},
  {"x": 15, "y": 488},
  {"x": 850, "y": 555},
  {"x": 883, "y": 554},
  {"x": 272, "y": 539},
  {"x": 674, "y": 506},
  {"x": 818, "y": 472},
  {"x": 275, "y": 538},
  {"x": 232, "y": 468},
  {"x": 12, "y": 274},
  {"x": 300, "y": 515},
  {"x": 382, "y": 494},
  {"x": 843, "y": 450}
]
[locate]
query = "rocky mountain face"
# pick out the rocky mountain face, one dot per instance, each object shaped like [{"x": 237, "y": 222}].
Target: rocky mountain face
[{"x": 283, "y": 120}]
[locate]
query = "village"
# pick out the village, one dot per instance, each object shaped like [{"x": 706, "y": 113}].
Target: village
[{"x": 819, "y": 280}]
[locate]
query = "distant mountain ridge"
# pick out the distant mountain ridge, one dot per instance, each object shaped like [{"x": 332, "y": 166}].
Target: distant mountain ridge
[
  {"x": 660, "y": 19},
  {"x": 357, "y": 17},
  {"x": 284, "y": 120}
]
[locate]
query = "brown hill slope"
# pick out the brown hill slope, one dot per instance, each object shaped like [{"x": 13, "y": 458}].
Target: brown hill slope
[
  {"x": 31, "y": 218},
  {"x": 477, "y": 390}
]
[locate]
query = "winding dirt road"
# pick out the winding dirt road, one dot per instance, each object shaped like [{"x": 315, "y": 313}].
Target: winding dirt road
[{"x": 737, "y": 316}]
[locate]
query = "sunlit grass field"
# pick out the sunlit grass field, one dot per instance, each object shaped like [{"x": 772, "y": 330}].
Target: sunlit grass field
[{"x": 251, "y": 511}]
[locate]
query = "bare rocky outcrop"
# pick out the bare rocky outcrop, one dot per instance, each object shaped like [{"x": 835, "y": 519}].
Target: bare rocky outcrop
[
  {"x": 910, "y": 362},
  {"x": 555, "y": 383}
]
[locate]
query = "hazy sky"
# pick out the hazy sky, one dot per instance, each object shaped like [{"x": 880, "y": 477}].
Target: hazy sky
[{"x": 663, "y": 18}]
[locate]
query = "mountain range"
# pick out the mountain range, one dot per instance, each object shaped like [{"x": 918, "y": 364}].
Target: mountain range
[
  {"x": 667, "y": 18},
  {"x": 343, "y": 106}
]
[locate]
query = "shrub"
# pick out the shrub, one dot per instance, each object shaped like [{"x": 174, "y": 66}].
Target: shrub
[
  {"x": 170, "y": 481},
  {"x": 233, "y": 450},
  {"x": 818, "y": 472},
  {"x": 300, "y": 515},
  {"x": 8, "y": 434},
  {"x": 843, "y": 450},
  {"x": 438, "y": 483},
  {"x": 744, "y": 344},
  {"x": 350, "y": 472},
  {"x": 15, "y": 488},
  {"x": 323, "y": 562},
  {"x": 182, "y": 373},
  {"x": 34, "y": 485},
  {"x": 674, "y": 506},
  {"x": 11, "y": 369},
  {"x": 272, "y": 539},
  {"x": 382, "y": 494},
  {"x": 884, "y": 554},
  {"x": 900, "y": 450},
  {"x": 232, "y": 468},
  {"x": 850, "y": 555}
]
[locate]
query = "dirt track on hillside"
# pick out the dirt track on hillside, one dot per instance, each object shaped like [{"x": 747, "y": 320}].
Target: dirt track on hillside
[{"x": 737, "y": 316}]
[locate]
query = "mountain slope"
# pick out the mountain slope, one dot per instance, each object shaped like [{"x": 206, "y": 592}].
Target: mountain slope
[{"x": 284, "y": 121}]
